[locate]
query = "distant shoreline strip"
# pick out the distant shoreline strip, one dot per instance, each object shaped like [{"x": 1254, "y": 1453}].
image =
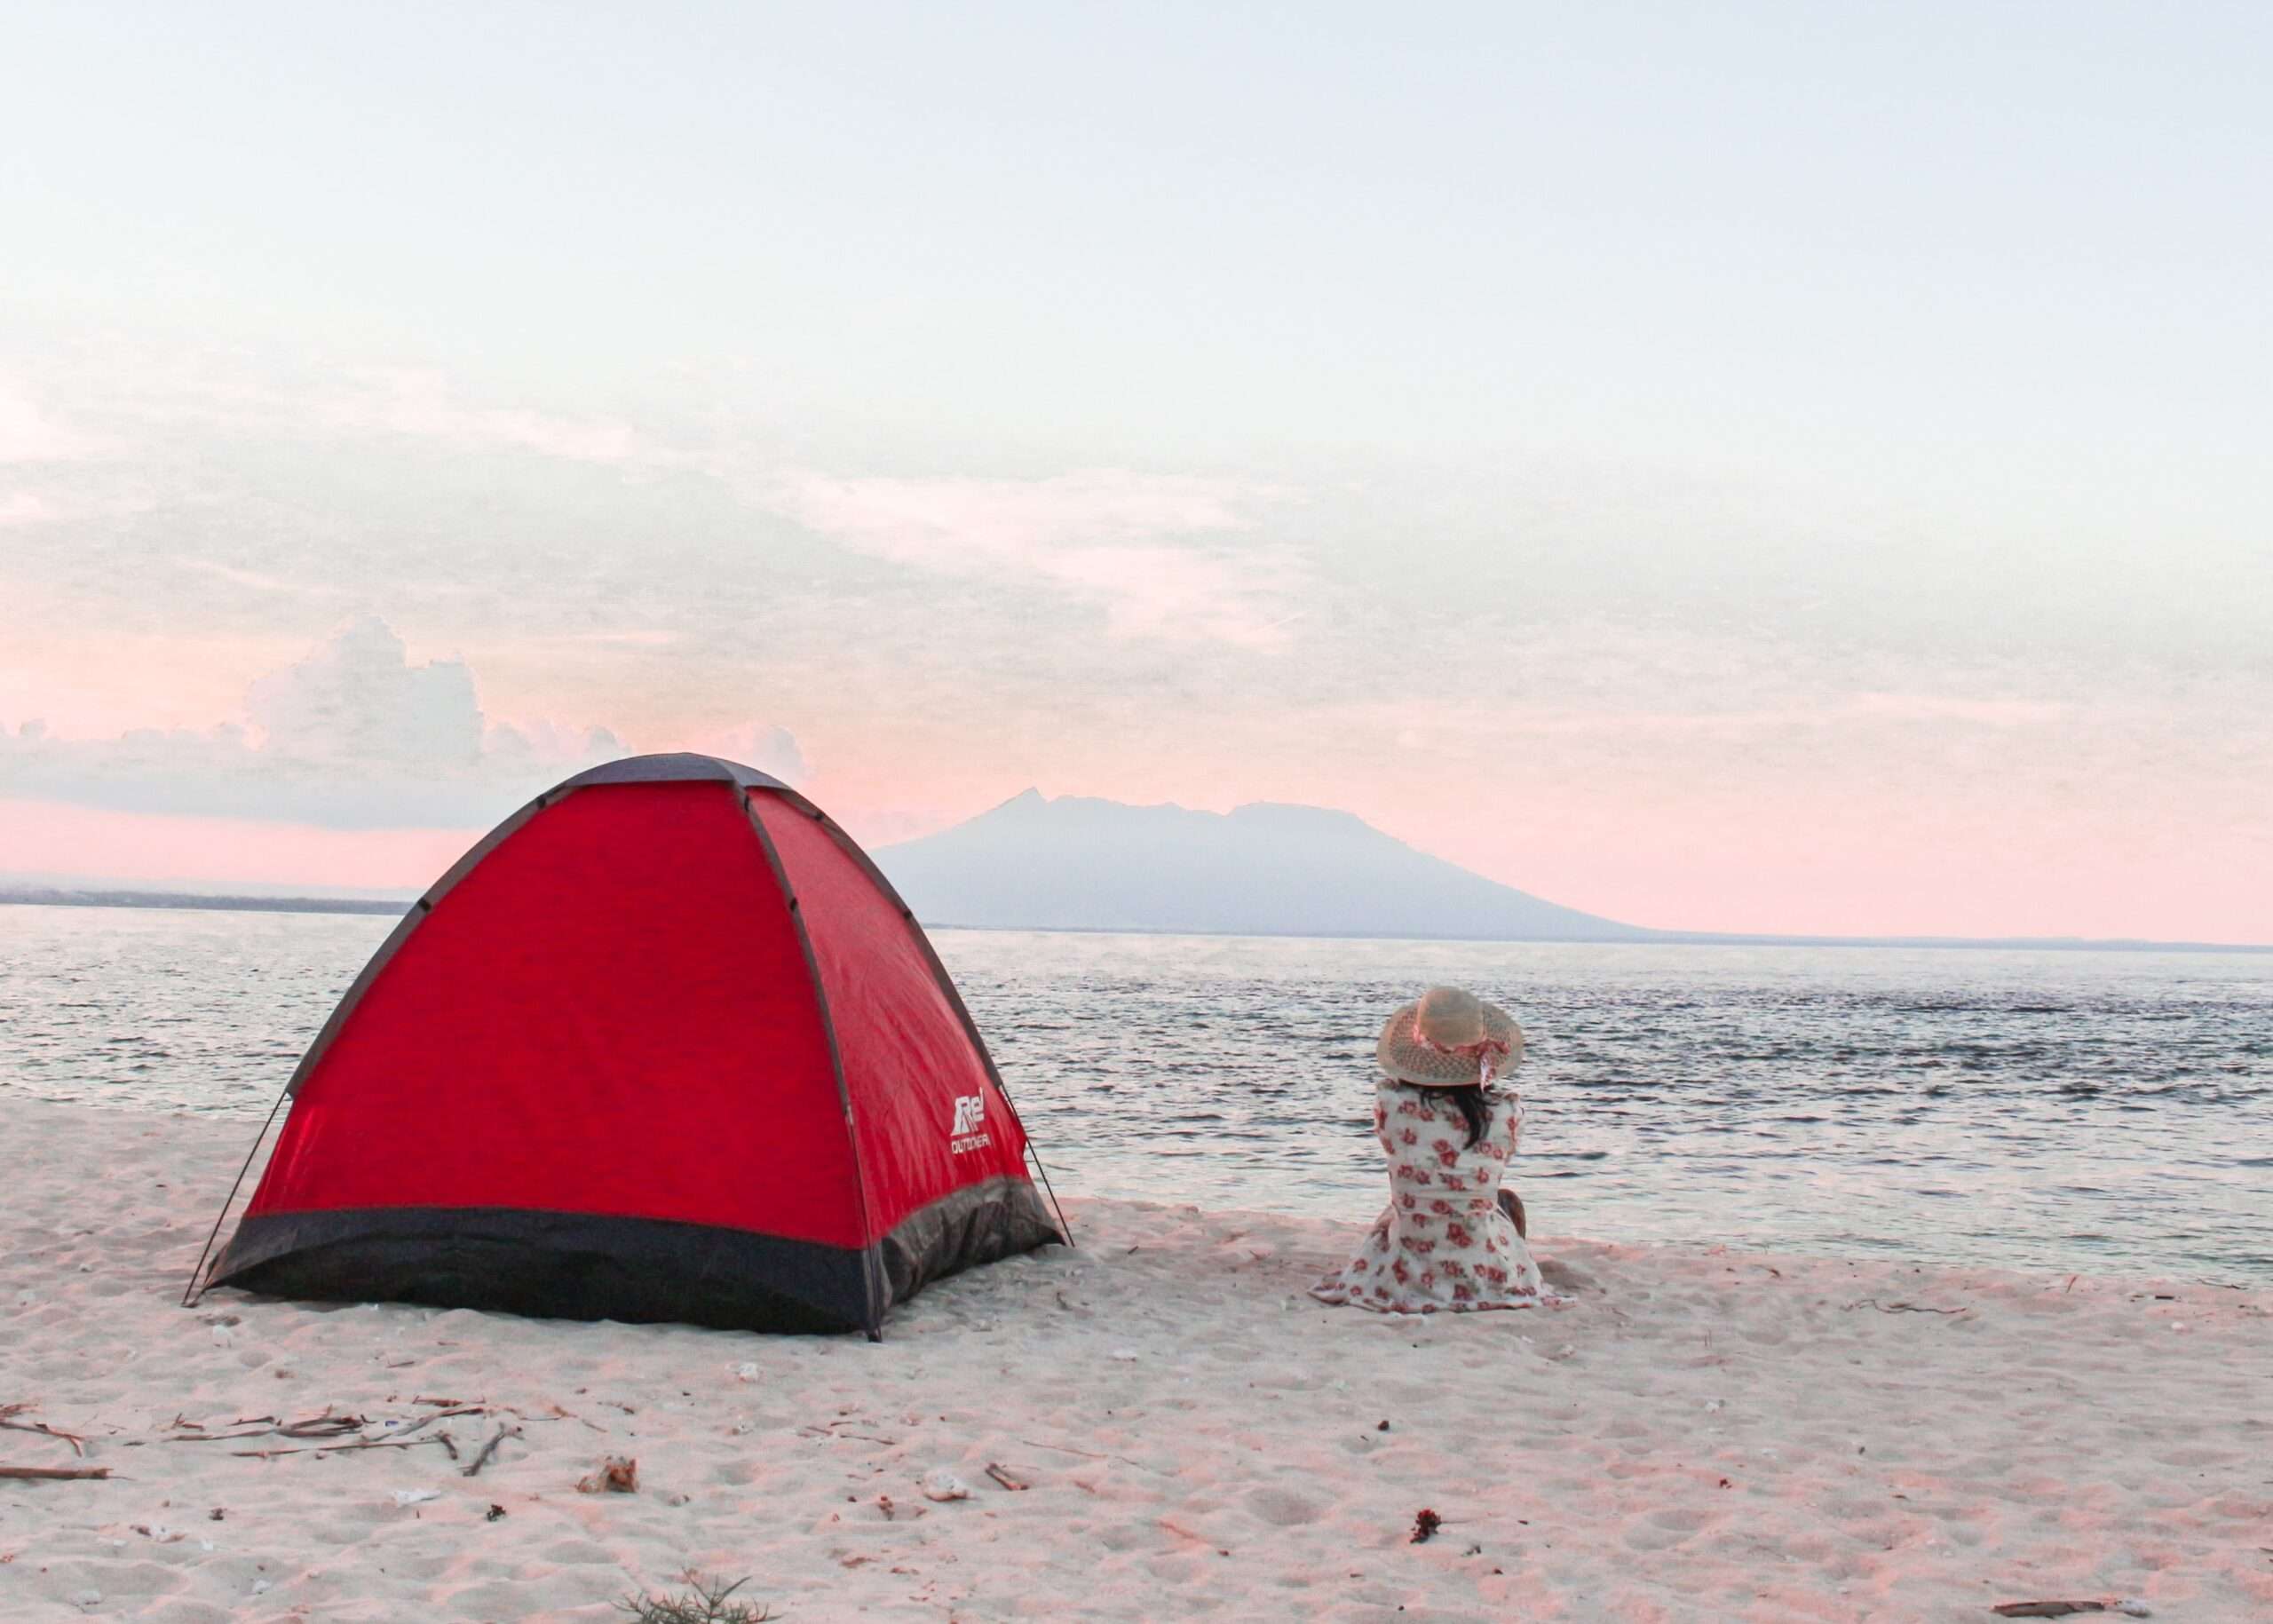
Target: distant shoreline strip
[{"x": 1638, "y": 937}]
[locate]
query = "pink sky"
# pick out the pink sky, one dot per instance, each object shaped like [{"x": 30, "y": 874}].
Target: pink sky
[
  {"x": 1718, "y": 475},
  {"x": 1810, "y": 817}
]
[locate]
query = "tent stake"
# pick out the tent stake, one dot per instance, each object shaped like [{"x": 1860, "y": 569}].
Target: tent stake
[{"x": 191, "y": 1292}]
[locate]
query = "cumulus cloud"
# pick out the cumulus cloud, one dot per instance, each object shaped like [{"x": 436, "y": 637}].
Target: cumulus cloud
[
  {"x": 358, "y": 700},
  {"x": 768, "y": 747},
  {"x": 353, "y": 736}
]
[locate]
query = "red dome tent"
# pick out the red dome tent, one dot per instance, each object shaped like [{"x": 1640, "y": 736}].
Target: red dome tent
[{"x": 663, "y": 1046}]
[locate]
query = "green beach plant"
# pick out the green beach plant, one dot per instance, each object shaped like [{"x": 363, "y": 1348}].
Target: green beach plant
[{"x": 705, "y": 1602}]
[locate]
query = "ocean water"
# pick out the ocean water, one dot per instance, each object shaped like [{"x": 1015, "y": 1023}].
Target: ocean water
[{"x": 2108, "y": 1113}]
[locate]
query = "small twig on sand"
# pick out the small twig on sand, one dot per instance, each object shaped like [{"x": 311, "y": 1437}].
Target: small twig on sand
[
  {"x": 2062, "y": 1610},
  {"x": 43, "y": 1474},
  {"x": 9, "y": 1412},
  {"x": 1182, "y": 1532},
  {"x": 866, "y": 1437},
  {"x": 424, "y": 1422},
  {"x": 1004, "y": 1477},
  {"x": 490, "y": 1448},
  {"x": 1086, "y": 1454},
  {"x": 443, "y": 1438},
  {"x": 1904, "y": 1308}
]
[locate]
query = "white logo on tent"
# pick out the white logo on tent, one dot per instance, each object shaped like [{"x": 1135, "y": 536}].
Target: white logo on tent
[{"x": 970, "y": 1130}]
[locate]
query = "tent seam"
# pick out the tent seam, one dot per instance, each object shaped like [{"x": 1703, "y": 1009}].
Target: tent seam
[{"x": 870, "y": 1261}]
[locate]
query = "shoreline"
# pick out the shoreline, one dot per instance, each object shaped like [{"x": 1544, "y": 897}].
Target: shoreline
[
  {"x": 1643, "y": 936},
  {"x": 1700, "y": 1433}
]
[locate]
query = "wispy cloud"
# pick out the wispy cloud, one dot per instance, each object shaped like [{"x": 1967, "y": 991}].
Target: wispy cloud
[
  {"x": 1163, "y": 556},
  {"x": 29, "y": 434},
  {"x": 1848, "y": 711},
  {"x": 26, "y": 508},
  {"x": 255, "y": 581},
  {"x": 422, "y": 404}
]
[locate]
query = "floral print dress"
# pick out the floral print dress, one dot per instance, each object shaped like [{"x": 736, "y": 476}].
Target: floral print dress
[{"x": 1442, "y": 1245}]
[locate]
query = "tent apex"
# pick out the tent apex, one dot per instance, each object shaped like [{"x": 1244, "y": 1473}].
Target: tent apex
[{"x": 673, "y": 767}]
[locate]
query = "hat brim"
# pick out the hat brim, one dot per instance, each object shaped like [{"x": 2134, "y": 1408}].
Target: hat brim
[{"x": 1405, "y": 1058}]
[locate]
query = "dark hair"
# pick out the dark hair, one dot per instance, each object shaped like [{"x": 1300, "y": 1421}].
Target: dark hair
[{"x": 1475, "y": 1109}]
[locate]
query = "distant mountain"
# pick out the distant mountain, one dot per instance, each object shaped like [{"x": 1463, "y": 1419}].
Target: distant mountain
[{"x": 1077, "y": 864}]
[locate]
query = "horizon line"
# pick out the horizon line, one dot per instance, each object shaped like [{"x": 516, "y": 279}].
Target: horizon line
[{"x": 159, "y": 899}]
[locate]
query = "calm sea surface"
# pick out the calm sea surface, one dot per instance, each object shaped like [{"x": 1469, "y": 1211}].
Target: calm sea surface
[{"x": 2095, "y": 1112}]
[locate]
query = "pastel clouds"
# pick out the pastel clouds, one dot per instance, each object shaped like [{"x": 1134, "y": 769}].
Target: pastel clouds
[
  {"x": 1612, "y": 702},
  {"x": 1178, "y": 559}
]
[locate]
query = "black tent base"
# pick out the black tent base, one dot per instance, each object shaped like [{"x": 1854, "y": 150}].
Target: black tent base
[{"x": 641, "y": 1270}]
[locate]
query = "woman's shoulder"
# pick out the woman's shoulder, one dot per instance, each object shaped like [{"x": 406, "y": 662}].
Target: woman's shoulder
[{"x": 1396, "y": 1100}]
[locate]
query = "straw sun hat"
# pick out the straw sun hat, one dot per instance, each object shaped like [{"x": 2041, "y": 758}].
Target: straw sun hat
[{"x": 1448, "y": 1039}]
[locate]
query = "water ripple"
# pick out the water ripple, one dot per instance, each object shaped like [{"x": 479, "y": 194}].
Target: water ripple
[{"x": 2044, "y": 1109}]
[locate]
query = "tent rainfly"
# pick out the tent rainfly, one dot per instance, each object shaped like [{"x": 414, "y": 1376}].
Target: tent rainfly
[{"x": 664, "y": 1046}]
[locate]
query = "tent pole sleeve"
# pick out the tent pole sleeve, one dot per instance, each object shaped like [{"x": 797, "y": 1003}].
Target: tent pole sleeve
[
  {"x": 412, "y": 918},
  {"x": 190, "y": 1293},
  {"x": 871, "y": 1261},
  {"x": 946, "y": 984}
]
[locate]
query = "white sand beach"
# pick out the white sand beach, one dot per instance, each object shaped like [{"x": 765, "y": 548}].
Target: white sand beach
[{"x": 1700, "y": 1434}]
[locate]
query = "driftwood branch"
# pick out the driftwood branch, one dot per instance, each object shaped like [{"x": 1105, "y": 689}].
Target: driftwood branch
[
  {"x": 326, "y": 1425},
  {"x": 43, "y": 1474}
]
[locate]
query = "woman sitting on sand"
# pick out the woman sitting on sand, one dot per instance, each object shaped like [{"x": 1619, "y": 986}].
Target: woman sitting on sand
[{"x": 1450, "y": 1238}]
